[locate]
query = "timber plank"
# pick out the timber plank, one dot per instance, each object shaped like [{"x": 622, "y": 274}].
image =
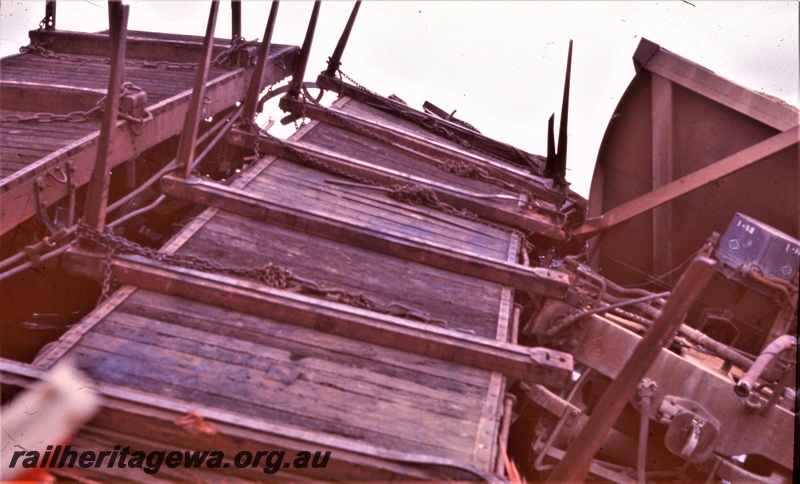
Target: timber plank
[
  {"x": 281, "y": 369},
  {"x": 240, "y": 389},
  {"x": 303, "y": 343},
  {"x": 242, "y": 242},
  {"x": 300, "y": 186},
  {"x": 373, "y": 151}
]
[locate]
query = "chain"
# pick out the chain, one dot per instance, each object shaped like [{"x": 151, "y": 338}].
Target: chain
[
  {"x": 269, "y": 275},
  {"x": 220, "y": 60},
  {"x": 410, "y": 194},
  {"x": 80, "y": 116}
]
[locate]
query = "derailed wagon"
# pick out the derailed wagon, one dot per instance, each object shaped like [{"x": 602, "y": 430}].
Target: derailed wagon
[{"x": 423, "y": 302}]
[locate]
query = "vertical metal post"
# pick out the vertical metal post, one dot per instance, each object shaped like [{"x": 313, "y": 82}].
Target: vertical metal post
[
  {"x": 300, "y": 67},
  {"x": 236, "y": 19},
  {"x": 575, "y": 465},
  {"x": 261, "y": 63},
  {"x": 49, "y": 21},
  {"x": 561, "y": 165},
  {"x": 191, "y": 125},
  {"x": 335, "y": 60},
  {"x": 97, "y": 192}
]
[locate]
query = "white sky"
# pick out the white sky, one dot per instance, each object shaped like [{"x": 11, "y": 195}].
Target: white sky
[{"x": 500, "y": 64}]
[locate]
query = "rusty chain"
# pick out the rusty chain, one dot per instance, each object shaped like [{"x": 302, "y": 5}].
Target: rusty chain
[
  {"x": 81, "y": 116},
  {"x": 220, "y": 60},
  {"x": 270, "y": 275}
]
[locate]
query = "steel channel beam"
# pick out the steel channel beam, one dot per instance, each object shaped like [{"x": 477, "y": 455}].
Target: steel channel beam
[
  {"x": 575, "y": 465},
  {"x": 17, "y": 198},
  {"x": 532, "y": 365},
  {"x": 532, "y": 280},
  {"x": 386, "y": 176},
  {"x": 606, "y": 347}
]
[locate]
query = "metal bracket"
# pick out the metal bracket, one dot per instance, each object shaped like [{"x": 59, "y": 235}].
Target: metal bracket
[
  {"x": 41, "y": 206},
  {"x": 692, "y": 429}
]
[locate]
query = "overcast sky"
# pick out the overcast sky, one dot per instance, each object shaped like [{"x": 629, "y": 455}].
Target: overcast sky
[{"x": 500, "y": 64}]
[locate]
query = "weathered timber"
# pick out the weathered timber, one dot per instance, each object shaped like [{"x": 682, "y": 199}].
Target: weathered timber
[
  {"x": 536, "y": 365},
  {"x": 413, "y": 143},
  {"x": 35, "y": 97},
  {"x": 134, "y": 418},
  {"x": 532, "y": 280},
  {"x": 16, "y": 191},
  {"x": 476, "y": 140},
  {"x": 512, "y": 217},
  {"x": 146, "y": 46}
]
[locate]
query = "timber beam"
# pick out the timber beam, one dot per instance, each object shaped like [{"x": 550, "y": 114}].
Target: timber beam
[
  {"x": 145, "y": 46},
  {"x": 531, "y": 365},
  {"x": 461, "y": 134},
  {"x": 460, "y": 199},
  {"x": 322, "y": 224},
  {"x": 425, "y": 147},
  {"x": 17, "y": 195}
]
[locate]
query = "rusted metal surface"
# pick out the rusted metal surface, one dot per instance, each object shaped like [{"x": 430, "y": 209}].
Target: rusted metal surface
[
  {"x": 257, "y": 80},
  {"x": 97, "y": 197},
  {"x": 707, "y": 175},
  {"x": 197, "y": 101},
  {"x": 335, "y": 60},
  {"x": 575, "y": 465}
]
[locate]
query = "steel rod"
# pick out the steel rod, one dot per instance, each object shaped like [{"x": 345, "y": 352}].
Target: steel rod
[
  {"x": 335, "y": 60},
  {"x": 258, "y": 74},
  {"x": 305, "y": 50},
  {"x": 236, "y": 19},
  {"x": 97, "y": 192},
  {"x": 191, "y": 125}
]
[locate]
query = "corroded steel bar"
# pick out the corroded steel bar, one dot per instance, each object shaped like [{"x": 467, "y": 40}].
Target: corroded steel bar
[
  {"x": 49, "y": 15},
  {"x": 690, "y": 182},
  {"x": 236, "y": 19},
  {"x": 194, "y": 115},
  {"x": 97, "y": 192},
  {"x": 335, "y": 60},
  {"x": 258, "y": 74},
  {"x": 575, "y": 465},
  {"x": 300, "y": 69},
  {"x": 561, "y": 163}
]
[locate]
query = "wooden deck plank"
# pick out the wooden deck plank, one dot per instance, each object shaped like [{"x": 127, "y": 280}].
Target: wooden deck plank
[
  {"x": 382, "y": 154},
  {"x": 291, "y": 184},
  {"x": 281, "y": 369},
  {"x": 302, "y": 343},
  {"x": 247, "y": 243}
]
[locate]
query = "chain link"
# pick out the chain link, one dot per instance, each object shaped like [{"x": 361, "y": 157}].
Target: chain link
[
  {"x": 269, "y": 275},
  {"x": 220, "y": 60},
  {"x": 81, "y": 116}
]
